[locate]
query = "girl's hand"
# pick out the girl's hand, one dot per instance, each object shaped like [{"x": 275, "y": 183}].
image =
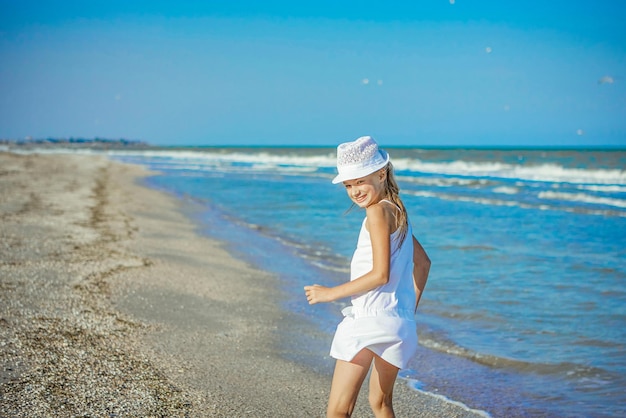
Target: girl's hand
[{"x": 316, "y": 294}]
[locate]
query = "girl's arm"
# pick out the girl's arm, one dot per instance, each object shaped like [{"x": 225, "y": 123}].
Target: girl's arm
[
  {"x": 379, "y": 224},
  {"x": 421, "y": 268}
]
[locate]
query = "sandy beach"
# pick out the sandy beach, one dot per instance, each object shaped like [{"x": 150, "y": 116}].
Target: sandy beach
[{"x": 111, "y": 304}]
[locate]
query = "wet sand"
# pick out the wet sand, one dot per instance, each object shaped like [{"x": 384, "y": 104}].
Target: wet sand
[{"x": 111, "y": 304}]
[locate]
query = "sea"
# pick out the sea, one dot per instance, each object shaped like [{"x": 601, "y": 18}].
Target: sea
[{"x": 524, "y": 312}]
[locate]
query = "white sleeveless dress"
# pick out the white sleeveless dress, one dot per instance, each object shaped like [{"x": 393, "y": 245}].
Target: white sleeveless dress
[{"x": 383, "y": 319}]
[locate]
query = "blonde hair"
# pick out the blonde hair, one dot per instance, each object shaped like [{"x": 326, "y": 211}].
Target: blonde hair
[{"x": 392, "y": 193}]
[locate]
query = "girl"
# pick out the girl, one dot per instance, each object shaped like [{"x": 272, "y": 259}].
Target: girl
[{"x": 388, "y": 273}]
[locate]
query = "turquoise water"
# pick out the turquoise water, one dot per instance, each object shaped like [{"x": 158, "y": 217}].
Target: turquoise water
[{"x": 524, "y": 313}]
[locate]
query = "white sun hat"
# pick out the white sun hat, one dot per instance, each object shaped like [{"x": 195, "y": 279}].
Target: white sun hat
[{"x": 359, "y": 158}]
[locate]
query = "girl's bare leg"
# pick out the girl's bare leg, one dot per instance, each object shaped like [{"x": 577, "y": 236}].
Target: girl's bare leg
[
  {"x": 347, "y": 381},
  {"x": 382, "y": 380}
]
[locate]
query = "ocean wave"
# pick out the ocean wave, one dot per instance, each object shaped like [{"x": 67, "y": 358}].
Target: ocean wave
[
  {"x": 253, "y": 167},
  {"x": 513, "y": 203},
  {"x": 462, "y": 198},
  {"x": 564, "y": 369},
  {"x": 548, "y": 172},
  {"x": 607, "y": 189},
  {"x": 418, "y": 386},
  {"x": 582, "y": 197},
  {"x": 541, "y": 173},
  {"x": 506, "y": 190},
  {"x": 318, "y": 255},
  {"x": 446, "y": 181},
  {"x": 259, "y": 157},
  {"x": 477, "y": 247}
]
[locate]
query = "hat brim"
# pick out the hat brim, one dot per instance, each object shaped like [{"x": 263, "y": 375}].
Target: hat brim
[{"x": 362, "y": 172}]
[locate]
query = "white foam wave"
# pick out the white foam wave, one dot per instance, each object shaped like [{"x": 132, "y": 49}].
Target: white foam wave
[
  {"x": 417, "y": 386},
  {"x": 608, "y": 189},
  {"x": 445, "y": 181},
  {"x": 513, "y": 203},
  {"x": 460, "y": 198},
  {"x": 213, "y": 168},
  {"x": 537, "y": 173},
  {"x": 540, "y": 173},
  {"x": 506, "y": 190},
  {"x": 583, "y": 197},
  {"x": 261, "y": 157}
]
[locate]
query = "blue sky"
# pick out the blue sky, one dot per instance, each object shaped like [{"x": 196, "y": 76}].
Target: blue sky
[{"x": 438, "y": 72}]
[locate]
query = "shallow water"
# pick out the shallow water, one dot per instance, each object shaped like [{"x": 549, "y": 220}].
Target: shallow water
[{"x": 524, "y": 313}]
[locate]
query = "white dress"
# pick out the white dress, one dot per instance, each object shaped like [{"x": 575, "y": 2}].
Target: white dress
[{"x": 383, "y": 319}]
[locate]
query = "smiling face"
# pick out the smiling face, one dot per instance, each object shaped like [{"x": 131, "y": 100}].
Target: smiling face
[{"x": 366, "y": 191}]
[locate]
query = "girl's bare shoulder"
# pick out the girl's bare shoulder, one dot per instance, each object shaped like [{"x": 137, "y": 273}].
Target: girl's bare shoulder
[{"x": 382, "y": 211}]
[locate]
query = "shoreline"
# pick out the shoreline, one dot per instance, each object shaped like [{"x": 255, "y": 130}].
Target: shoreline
[{"x": 113, "y": 303}]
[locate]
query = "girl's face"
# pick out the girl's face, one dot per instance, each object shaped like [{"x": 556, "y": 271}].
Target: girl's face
[{"x": 366, "y": 191}]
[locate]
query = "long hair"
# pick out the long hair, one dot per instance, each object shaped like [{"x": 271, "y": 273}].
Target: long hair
[{"x": 392, "y": 192}]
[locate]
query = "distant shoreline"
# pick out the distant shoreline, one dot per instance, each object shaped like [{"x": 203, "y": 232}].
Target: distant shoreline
[
  {"x": 114, "y": 144},
  {"x": 90, "y": 143}
]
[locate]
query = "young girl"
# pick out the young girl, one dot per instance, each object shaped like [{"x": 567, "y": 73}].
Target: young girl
[{"x": 388, "y": 274}]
